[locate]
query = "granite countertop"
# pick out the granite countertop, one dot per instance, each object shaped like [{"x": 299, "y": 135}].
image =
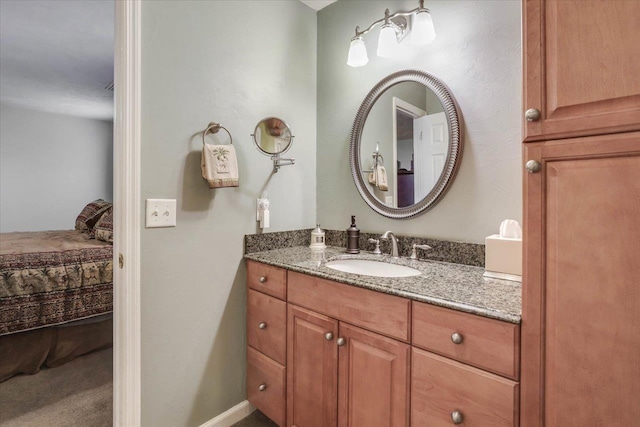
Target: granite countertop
[{"x": 456, "y": 286}]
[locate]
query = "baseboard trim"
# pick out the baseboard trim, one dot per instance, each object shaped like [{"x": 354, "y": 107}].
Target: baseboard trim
[{"x": 232, "y": 416}]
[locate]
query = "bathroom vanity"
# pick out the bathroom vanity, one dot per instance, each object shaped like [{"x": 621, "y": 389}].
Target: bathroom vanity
[{"x": 327, "y": 348}]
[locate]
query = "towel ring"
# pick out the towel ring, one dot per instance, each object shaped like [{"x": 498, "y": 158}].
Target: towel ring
[{"x": 215, "y": 128}]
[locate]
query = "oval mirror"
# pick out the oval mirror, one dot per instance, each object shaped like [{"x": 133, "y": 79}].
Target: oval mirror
[
  {"x": 272, "y": 136},
  {"x": 406, "y": 144}
]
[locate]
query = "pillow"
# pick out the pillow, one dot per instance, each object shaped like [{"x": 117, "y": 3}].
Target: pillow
[
  {"x": 103, "y": 230},
  {"x": 91, "y": 214}
]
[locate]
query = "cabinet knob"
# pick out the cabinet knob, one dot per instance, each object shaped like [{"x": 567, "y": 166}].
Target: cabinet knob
[
  {"x": 262, "y": 387},
  {"x": 456, "y": 338},
  {"x": 262, "y": 325},
  {"x": 262, "y": 279},
  {"x": 341, "y": 342},
  {"x": 328, "y": 336},
  {"x": 532, "y": 115},
  {"x": 533, "y": 166},
  {"x": 456, "y": 417}
]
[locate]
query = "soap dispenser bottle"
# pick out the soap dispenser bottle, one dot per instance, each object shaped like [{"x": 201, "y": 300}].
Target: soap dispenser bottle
[
  {"x": 353, "y": 237},
  {"x": 317, "y": 238}
]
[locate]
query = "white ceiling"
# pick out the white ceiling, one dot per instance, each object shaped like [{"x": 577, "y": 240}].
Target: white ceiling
[
  {"x": 318, "y": 4},
  {"x": 57, "y": 56}
]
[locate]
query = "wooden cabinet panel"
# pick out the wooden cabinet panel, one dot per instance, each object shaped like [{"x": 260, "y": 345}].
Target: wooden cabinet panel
[
  {"x": 581, "y": 67},
  {"x": 581, "y": 299},
  {"x": 268, "y": 279},
  {"x": 312, "y": 369},
  {"x": 440, "y": 386},
  {"x": 265, "y": 385},
  {"x": 373, "y": 380},
  {"x": 387, "y": 314},
  {"x": 489, "y": 344},
  {"x": 267, "y": 325}
]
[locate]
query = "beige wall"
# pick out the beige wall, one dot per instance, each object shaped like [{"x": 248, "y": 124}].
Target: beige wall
[
  {"x": 239, "y": 61},
  {"x": 235, "y": 62},
  {"x": 477, "y": 53},
  {"x": 51, "y": 166}
]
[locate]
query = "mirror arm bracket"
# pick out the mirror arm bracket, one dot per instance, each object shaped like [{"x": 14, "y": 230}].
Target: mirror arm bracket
[{"x": 278, "y": 162}]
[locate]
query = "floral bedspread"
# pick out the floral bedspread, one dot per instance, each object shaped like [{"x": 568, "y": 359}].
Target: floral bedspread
[{"x": 53, "y": 277}]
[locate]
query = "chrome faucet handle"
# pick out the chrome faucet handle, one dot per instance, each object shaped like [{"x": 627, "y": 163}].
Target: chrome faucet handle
[
  {"x": 394, "y": 243},
  {"x": 377, "y": 250},
  {"x": 414, "y": 255}
]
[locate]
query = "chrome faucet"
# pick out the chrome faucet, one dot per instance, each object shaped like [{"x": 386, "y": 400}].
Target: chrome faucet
[{"x": 394, "y": 243}]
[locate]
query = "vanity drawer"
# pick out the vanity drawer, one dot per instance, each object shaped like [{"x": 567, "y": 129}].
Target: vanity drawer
[
  {"x": 440, "y": 387},
  {"x": 386, "y": 314},
  {"x": 486, "y": 343},
  {"x": 266, "y": 385},
  {"x": 268, "y": 279},
  {"x": 267, "y": 325}
]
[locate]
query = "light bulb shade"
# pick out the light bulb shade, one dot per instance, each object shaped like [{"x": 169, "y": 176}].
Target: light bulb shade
[
  {"x": 387, "y": 42},
  {"x": 422, "y": 31},
  {"x": 357, "y": 53}
]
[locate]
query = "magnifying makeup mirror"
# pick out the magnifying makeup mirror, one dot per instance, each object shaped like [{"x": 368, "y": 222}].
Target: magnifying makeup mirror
[{"x": 272, "y": 137}]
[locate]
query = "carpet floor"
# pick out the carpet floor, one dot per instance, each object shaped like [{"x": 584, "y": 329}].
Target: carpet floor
[
  {"x": 256, "y": 419},
  {"x": 77, "y": 394}
]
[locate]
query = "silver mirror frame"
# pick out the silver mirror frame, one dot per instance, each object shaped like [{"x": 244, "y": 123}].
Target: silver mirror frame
[
  {"x": 454, "y": 155},
  {"x": 257, "y": 144}
]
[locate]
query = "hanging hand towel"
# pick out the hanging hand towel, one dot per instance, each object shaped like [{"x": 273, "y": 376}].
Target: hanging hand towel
[
  {"x": 220, "y": 165},
  {"x": 373, "y": 176},
  {"x": 381, "y": 178}
]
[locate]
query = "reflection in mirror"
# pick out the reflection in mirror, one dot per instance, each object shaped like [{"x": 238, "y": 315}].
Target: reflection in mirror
[
  {"x": 406, "y": 144},
  {"x": 408, "y": 127},
  {"x": 272, "y": 136}
]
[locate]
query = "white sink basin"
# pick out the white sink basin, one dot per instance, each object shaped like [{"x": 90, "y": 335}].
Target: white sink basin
[{"x": 372, "y": 268}]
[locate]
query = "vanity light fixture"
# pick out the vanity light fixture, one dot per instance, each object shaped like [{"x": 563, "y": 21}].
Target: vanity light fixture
[{"x": 394, "y": 29}]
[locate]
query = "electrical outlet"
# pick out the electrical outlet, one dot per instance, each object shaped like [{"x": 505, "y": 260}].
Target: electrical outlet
[{"x": 161, "y": 213}]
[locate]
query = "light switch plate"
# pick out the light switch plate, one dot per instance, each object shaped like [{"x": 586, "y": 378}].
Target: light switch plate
[{"x": 161, "y": 213}]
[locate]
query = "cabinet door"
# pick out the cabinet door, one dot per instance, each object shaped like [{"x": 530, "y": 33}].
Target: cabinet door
[
  {"x": 373, "y": 380},
  {"x": 581, "y": 67},
  {"x": 581, "y": 292},
  {"x": 312, "y": 369}
]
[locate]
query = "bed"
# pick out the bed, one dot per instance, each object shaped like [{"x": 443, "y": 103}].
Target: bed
[{"x": 54, "y": 287}]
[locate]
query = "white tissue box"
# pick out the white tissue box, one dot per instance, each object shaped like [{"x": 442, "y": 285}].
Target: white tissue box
[{"x": 503, "y": 256}]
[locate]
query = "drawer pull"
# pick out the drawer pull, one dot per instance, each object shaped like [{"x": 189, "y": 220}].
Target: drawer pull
[
  {"x": 262, "y": 325},
  {"x": 456, "y": 338},
  {"x": 328, "y": 336},
  {"x": 263, "y": 387},
  {"x": 341, "y": 342},
  {"x": 456, "y": 417},
  {"x": 262, "y": 279}
]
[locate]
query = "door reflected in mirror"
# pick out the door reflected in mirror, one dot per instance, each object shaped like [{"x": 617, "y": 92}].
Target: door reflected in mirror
[{"x": 408, "y": 127}]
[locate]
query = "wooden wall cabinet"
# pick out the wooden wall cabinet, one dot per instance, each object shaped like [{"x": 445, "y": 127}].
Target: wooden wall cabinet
[
  {"x": 580, "y": 362},
  {"x": 581, "y": 67},
  {"x": 581, "y": 293}
]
